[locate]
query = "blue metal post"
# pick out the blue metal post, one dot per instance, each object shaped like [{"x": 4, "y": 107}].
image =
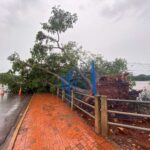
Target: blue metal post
[
  {"x": 69, "y": 81},
  {"x": 62, "y": 84},
  {"x": 68, "y": 77},
  {"x": 94, "y": 79},
  {"x": 56, "y": 83}
]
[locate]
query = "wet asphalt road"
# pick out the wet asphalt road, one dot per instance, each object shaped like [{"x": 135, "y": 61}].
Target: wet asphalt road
[{"x": 11, "y": 107}]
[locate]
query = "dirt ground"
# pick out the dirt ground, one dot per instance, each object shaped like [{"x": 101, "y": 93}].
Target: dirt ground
[{"x": 130, "y": 139}]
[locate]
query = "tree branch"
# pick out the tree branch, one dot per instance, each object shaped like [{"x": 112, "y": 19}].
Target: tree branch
[
  {"x": 58, "y": 37},
  {"x": 77, "y": 69}
]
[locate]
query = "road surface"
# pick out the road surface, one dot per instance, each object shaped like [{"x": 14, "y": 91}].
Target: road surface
[{"x": 11, "y": 107}]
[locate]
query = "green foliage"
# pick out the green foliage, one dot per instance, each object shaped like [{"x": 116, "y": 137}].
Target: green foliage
[
  {"x": 10, "y": 79},
  {"x": 104, "y": 67},
  {"x": 115, "y": 67},
  {"x": 52, "y": 90},
  {"x": 59, "y": 21},
  {"x": 39, "y": 52},
  {"x": 141, "y": 77}
]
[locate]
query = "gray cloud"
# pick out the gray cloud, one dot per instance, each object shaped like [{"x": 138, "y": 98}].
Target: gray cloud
[
  {"x": 19, "y": 22},
  {"x": 126, "y": 38},
  {"x": 119, "y": 9},
  {"x": 16, "y": 11}
]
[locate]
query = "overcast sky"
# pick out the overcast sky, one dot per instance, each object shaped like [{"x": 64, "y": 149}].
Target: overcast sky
[{"x": 113, "y": 28}]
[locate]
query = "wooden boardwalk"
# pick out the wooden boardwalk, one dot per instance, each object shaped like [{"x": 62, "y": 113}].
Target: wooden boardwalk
[{"x": 49, "y": 124}]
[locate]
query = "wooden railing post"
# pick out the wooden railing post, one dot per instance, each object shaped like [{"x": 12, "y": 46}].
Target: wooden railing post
[
  {"x": 72, "y": 100},
  {"x": 63, "y": 95},
  {"x": 57, "y": 92},
  {"x": 104, "y": 116},
  {"x": 97, "y": 114}
]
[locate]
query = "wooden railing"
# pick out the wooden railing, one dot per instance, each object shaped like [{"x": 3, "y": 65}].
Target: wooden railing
[
  {"x": 73, "y": 103},
  {"x": 100, "y": 109},
  {"x": 129, "y": 114}
]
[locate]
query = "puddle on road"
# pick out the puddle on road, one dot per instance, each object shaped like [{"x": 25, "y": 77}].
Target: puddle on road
[{"x": 8, "y": 105}]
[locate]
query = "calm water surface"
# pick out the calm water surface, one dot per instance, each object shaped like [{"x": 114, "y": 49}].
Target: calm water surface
[{"x": 140, "y": 85}]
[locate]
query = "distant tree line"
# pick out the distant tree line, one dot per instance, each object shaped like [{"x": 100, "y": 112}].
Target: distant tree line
[{"x": 141, "y": 77}]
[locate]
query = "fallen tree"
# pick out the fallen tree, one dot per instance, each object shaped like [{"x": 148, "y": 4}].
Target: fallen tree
[{"x": 50, "y": 59}]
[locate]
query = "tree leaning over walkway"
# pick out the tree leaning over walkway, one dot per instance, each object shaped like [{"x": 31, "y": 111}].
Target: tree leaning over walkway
[
  {"x": 50, "y": 59},
  {"x": 48, "y": 54}
]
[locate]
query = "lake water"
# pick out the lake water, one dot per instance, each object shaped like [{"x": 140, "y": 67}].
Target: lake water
[
  {"x": 140, "y": 85},
  {"x": 145, "y": 86}
]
